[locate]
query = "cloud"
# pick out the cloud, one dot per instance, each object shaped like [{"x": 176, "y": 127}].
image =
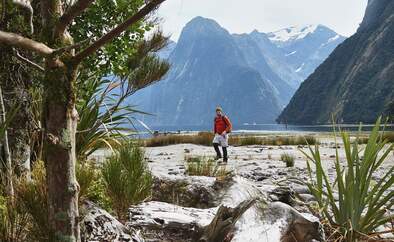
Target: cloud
[{"x": 240, "y": 16}]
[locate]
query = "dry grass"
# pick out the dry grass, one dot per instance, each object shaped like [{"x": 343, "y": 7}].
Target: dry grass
[
  {"x": 288, "y": 159},
  {"x": 388, "y": 135},
  {"x": 202, "y": 138},
  {"x": 202, "y": 166},
  {"x": 205, "y": 138}
]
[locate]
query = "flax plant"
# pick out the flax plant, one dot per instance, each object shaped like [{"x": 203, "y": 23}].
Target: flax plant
[{"x": 363, "y": 202}]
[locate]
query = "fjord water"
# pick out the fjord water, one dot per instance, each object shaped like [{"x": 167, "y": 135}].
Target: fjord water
[{"x": 270, "y": 128}]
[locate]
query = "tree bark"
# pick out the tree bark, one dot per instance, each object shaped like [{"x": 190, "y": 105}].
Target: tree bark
[
  {"x": 15, "y": 81},
  {"x": 60, "y": 121}
]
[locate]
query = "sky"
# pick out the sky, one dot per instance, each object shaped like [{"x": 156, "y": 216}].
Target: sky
[{"x": 244, "y": 16}]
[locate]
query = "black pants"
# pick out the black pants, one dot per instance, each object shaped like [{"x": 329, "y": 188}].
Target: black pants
[{"x": 218, "y": 154}]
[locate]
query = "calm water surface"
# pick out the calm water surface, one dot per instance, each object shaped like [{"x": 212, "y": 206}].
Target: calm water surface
[{"x": 268, "y": 128}]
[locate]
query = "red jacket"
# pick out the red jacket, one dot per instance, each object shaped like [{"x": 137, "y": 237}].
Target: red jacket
[{"x": 222, "y": 124}]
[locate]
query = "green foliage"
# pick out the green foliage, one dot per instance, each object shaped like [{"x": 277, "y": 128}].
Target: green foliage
[
  {"x": 288, "y": 159},
  {"x": 201, "y": 166},
  {"x": 102, "y": 119},
  {"x": 99, "y": 18},
  {"x": 363, "y": 201},
  {"x": 91, "y": 185},
  {"x": 127, "y": 178},
  {"x": 105, "y": 116}
]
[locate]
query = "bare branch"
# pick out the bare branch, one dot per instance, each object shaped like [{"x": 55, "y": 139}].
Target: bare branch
[
  {"x": 67, "y": 18},
  {"x": 37, "y": 66},
  {"x": 26, "y": 5},
  {"x": 16, "y": 40},
  {"x": 148, "y": 8},
  {"x": 70, "y": 47}
]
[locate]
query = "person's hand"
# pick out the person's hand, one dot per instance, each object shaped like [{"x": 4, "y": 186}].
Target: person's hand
[{"x": 224, "y": 133}]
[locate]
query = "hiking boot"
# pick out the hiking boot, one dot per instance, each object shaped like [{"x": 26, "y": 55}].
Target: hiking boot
[{"x": 218, "y": 158}]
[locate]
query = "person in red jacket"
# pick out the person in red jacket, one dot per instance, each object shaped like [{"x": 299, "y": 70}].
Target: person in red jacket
[{"x": 222, "y": 127}]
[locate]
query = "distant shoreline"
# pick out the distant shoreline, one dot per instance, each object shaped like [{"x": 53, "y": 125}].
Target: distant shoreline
[{"x": 261, "y": 129}]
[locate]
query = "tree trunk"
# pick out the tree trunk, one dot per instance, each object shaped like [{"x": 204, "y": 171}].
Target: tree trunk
[
  {"x": 15, "y": 84},
  {"x": 60, "y": 121}
]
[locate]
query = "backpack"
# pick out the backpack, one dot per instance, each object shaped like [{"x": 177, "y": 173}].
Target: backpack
[{"x": 227, "y": 124}]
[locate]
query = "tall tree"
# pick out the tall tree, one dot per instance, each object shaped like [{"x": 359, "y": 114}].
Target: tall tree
[
  {"x": 15, "y": 79},
  {"x": 60, "y": 115}
]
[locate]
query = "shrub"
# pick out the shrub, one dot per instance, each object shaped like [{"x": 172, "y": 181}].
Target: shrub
[
  {"x": 127, "y": 179},
  {"x": 14, "y": 222},
  {"x": 33, "y": 197},
  {"x": 91, "y": 185},
  {"x": 288, "y": 159},
  {"x": 201, "y": 166},
  {"x": 362, "y": 201}
]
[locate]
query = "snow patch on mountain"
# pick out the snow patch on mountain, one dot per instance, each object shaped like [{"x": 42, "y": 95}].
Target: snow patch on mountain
[
  {"x": 333, "y": 38},
  {"x": 292, "y": 33},
  {"x": 330, "y": 40},
  {"x": 292, "y": 53},
  {"x": 300, "y": 68}
]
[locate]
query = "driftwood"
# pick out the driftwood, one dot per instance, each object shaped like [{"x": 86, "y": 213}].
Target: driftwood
[
  {"x": 275, "y": 222},
  {"x": 190, "y": 191},
  {"x": 224, "y": 221},
  {"x": 99, "y": 225},
  {"x": 164, "y": 222}
]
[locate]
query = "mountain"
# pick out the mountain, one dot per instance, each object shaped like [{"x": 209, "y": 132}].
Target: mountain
[
  {"x": 356, "y": 82},
  {"x": 209, "y": 69},
  {"x": 303, "y": 48},
  {"x": 254, "y": 58},
  {"x": 251, "y": 75},
  {"x": 166, "y": 51}
]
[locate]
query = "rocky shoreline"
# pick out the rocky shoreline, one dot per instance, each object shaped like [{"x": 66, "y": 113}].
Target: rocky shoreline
[{"x": 182, "y": 206}]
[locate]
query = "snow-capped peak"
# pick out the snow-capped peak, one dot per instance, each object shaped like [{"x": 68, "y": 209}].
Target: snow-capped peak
[{"x": 292, "y": 33}]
